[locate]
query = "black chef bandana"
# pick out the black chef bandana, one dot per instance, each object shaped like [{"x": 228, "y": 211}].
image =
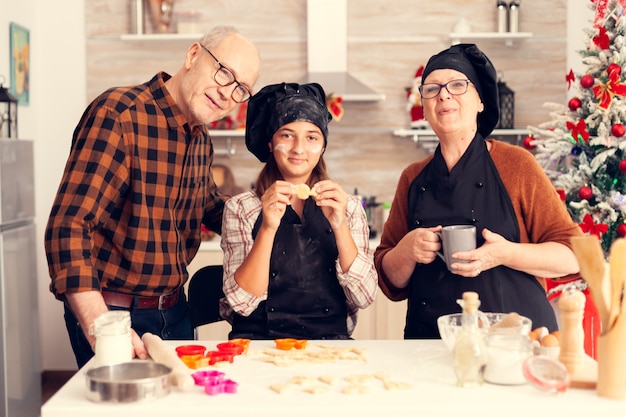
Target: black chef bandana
[
  {"x": 278, "y": 104},
  {"x": 472, "y": 62}
]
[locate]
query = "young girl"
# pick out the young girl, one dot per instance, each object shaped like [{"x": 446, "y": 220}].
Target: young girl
[{"x": 296, "y": 248}]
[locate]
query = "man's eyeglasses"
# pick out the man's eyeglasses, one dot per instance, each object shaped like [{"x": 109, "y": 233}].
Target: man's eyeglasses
[
  {"x": 224, "y": 77},
  {"x": 454, "y": 87}
]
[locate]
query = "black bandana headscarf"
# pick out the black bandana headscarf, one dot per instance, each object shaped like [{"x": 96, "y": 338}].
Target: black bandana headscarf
[
  {"x": 278, "y": 104},
  {"x": 472, "y": 62}
]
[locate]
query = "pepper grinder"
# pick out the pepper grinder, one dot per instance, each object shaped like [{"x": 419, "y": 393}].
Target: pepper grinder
[{"x": 572, "y": 305}]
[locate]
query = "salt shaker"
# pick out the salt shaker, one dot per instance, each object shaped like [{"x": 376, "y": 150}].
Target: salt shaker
[
  {"x": 469, "y": 352},
  {"x": 113, "y": 338},
  {"x": 502, "y": 16}
]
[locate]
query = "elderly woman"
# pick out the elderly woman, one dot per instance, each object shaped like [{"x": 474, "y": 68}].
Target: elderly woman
[
  {"x": 523, "y": 229},
  {"x": 296, "y": 247}
]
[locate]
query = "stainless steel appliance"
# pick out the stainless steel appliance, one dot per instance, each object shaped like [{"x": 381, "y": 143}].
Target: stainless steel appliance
[{"x": 20, "y": 358}]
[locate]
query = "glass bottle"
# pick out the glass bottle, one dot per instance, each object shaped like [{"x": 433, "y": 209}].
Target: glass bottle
[
  {"x": 502, "y": 15},
  {"x": 514, "y": 16},
  {"x": 469, "y": 352}
]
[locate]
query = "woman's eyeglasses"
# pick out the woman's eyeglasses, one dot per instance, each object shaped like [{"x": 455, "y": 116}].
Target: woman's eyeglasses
[
  {"x": 454, "y": 87},
  {"x": 224, "y": 77}
]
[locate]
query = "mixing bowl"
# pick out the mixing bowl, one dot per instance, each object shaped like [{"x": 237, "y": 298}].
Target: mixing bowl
[
  {"x": 128, "y": 382},
  {"x": 450, "y": 325}
]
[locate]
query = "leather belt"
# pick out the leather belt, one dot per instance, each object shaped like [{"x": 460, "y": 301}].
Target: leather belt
[{"x": 162, "y": 302}]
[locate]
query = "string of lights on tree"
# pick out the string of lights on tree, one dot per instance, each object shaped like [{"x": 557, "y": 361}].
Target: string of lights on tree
[{"x": 583, "y": 148}]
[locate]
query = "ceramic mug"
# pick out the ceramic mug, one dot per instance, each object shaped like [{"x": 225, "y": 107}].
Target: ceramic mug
[{"x": 456, "y": 238}]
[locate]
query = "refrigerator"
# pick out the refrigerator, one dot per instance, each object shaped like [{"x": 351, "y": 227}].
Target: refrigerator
[{"x": 20, "y": 358}]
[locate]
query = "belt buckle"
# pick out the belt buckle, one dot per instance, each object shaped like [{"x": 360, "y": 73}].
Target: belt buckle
[{"x": 161, "y": 299}]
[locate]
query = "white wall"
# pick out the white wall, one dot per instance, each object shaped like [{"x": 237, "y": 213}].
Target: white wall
[
  {"x": 57, "y": 100},
  {"x": 579, "y": 17}
]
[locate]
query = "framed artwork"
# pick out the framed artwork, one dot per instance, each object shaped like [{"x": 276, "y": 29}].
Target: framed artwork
[{"x": 20, "y": 62}]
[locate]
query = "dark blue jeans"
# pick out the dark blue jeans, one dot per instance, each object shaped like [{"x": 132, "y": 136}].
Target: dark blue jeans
[{"x": 173, "y": 323}]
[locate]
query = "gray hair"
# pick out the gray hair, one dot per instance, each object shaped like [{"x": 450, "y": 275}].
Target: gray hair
[{"x": 217, "y": 35}]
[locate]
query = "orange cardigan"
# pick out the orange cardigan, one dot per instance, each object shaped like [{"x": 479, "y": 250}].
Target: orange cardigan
[{"x": 541, "y": 214}]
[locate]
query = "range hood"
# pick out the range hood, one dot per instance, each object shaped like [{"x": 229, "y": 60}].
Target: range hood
[{"x": 327, "y": 52}]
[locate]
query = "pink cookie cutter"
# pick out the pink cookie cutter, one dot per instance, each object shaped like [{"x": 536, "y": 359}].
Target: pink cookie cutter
[{"x": 214, "y": 382}]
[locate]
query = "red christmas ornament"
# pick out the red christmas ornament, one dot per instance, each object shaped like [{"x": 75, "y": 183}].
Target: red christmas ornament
[
  {"x": 614, "y": 68},
  {"x": 622, "y": 166},
  {"x": 621, "y": 230},
  {"x": 587, "y": 81},
  {"x": 618, "y": 130},
  {"x": 585, "y": 193},
  {"x": 574, "y": 104},
  {"x": 527, "y": 142}
]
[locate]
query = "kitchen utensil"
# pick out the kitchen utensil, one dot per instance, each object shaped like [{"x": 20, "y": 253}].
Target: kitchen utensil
[
  {"x": 128, "y": 382},
  {"x": 159, "y": 351},
  {"x": 591, "y": 262},
  {"x": 583, "y": 370},
  {"x": 612, "y": 341},
  {"x": 611, "y": 360},
  {"x": 617, "y": 264}
]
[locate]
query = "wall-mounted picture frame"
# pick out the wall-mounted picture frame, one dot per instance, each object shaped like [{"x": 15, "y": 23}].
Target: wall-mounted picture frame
[{"x": 19, "y": 38}]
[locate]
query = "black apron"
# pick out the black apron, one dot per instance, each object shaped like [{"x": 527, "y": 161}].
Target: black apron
[
  {"x": 304, "y": 300},
  {"x": 473, "y": 194}
]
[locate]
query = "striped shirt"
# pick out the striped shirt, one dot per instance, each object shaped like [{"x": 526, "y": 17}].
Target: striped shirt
[
  {"x": 359, "y": 283},
  {"x": 136, "y": 187}
]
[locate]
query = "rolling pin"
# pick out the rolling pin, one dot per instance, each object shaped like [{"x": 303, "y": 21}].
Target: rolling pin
[{"x": 160, "y": 352}]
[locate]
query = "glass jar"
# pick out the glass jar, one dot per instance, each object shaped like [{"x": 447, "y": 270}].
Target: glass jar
[
  {"x": 506, "y": 354},
  {"x": 113, "y": 338}
]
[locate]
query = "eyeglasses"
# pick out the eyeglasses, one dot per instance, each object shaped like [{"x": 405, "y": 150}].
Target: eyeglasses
[
  {"x": 224, "y": 77},
  {"x": 454, "y": 87}
]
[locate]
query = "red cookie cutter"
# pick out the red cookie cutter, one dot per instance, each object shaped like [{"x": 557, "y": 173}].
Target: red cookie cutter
[
  {"x": 190, "y": 350},
  {"x": 231, "y": 348}
]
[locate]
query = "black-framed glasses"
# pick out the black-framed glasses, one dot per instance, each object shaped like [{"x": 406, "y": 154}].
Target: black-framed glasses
[
  {"x": 224, "y": 77},
  {"x": 454, "y": 87}
]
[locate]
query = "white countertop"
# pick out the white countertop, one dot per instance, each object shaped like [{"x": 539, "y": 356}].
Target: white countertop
[
  {"x": 424, "y": 364},
  {"x": 214, "y": 244}
]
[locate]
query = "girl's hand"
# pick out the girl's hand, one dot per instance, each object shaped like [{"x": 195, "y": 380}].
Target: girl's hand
[
  {"x": 274, "y": 202},
  {"x": 333, "y": 201}
]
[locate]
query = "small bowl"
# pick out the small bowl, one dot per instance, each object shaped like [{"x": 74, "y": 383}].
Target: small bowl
[
  {"x": 128, "y": 382},
  {"x": 449, "y": 326}
]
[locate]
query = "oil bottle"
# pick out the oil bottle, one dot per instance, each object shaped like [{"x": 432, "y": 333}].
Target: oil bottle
[{"x": 470, "y": 350}]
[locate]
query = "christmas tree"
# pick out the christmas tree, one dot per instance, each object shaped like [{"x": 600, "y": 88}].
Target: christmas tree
[{"x": 583, "y": 147}]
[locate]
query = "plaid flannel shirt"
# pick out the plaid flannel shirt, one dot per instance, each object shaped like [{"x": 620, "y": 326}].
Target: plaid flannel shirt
[{"x": 136, "y": 187}]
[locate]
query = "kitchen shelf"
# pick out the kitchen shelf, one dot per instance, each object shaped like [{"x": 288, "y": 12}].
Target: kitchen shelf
[
  {"x": 160, "y": 36},
  {"x": 507, "y": 37},
  {"x": 227, "y": 133},
  {"x": 429, "y": 141}
]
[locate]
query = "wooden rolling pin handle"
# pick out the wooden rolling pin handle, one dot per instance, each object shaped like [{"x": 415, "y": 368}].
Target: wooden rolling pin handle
[
  {"x": 160, "y": 352},
  {"x": 572, "y": 305}
]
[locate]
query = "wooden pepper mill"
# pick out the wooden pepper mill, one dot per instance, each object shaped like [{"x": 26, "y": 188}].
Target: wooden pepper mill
[
  {"x": 572, "y": 305},
  {"x": 582, "y": 369}
]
